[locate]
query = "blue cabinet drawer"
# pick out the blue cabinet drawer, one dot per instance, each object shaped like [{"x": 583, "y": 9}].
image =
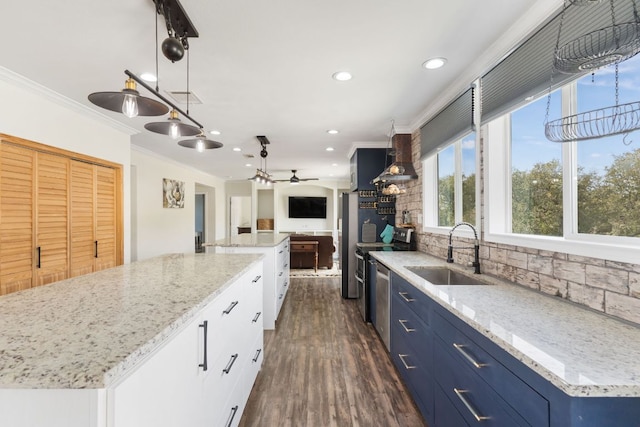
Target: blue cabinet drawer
[
  {"x": 464, "y": 352},
  {"x": 407, "y": 325},
  {"x": 474, "y": 399},
  {"x": 411, "y": 297},
  {"x": 413, "y": 366}
]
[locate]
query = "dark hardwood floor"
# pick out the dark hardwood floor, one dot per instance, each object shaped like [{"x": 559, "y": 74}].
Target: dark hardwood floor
[{"x": 324, "y": 366}]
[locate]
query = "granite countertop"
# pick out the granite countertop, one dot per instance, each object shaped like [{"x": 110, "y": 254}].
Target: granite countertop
[
  {"x": 250, "y": 239},
  {"x": 86, "y": 332},
  {"x": 580, "y": 351}
]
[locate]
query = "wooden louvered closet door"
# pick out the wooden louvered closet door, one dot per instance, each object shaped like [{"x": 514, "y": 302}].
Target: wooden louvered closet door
[
  {"x": 82, "y": 218},
  {"x": 52, "y": 204},
  {"x": 16, "y": 218},
  {"x": 106, "y": 222}
]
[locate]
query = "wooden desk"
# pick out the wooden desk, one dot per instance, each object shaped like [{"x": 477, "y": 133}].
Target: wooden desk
[{"x": 306, "y": 246}]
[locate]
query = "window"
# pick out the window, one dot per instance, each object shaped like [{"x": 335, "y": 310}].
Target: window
[
  {"x": 580, "y": 197},
  {"x": 453, "y": 185},
  {"x": 536, "y": 171},
  {"x": 608, "y": 169}
]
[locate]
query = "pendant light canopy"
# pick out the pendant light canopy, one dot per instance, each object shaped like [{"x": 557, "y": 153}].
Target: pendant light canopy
[
  {"x": 200, "y": 143},
  {"x": 129, "y": 102},
  {"x": 172, "y": 127}
]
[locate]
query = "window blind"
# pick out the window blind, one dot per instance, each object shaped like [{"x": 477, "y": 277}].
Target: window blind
[
  {"x": 527, "y": 71},
  {"x": 453, "y": 121}
]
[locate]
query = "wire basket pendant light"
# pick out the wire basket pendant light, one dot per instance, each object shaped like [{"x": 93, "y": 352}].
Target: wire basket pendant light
[{"x": 604, "y": 47}]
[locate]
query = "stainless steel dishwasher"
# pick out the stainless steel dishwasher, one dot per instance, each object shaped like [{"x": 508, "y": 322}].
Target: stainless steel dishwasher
[{"x": 383, "y": 285}]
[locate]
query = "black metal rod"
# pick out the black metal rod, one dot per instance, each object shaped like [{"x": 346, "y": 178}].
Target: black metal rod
[
  {"x": 96, "y": 252},
  {"x": 156, "y": 93},
  {"x": 39, "y": 249},
  {"x": 203, "y": 365}
]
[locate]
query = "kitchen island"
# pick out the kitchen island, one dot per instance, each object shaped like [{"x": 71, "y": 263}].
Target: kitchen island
[
  {"x": 276, "y": 248},
  {"x": 546, "y": 361},
  {"x": 106, "y": 349}
]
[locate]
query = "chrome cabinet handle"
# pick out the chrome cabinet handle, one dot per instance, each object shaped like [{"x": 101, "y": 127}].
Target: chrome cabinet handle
[
  {"x": 232, "y": 415},
  {"x": 258, "y": 351},
  {"x": 203, "y": 365},
  {"x": 255, "y": 319},
  {"x": 474, "y": 412},
  {"x": 402, "y": 356},
  {"x": 403, "y": 323},
  {"x": 230, "y": 364},
  {"x": 231, "y": 307},
  {"x": 256, "y": 279},
  {"x": 403, "y": 295},
  {"x": 467, "y": 356}
]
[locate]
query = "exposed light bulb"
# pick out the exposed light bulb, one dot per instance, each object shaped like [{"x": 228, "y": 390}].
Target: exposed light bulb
[
  {"x": 130, "y": 106},
  {"x": 173, "y": 132},
  {"x": 200, "y": 146}
]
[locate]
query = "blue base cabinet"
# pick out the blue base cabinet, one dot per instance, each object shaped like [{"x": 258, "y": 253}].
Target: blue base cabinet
[{"x": 459, "y": 377}]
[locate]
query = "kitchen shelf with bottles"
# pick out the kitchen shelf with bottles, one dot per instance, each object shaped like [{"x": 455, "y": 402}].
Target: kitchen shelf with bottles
[{"x": 384, "y": 204}]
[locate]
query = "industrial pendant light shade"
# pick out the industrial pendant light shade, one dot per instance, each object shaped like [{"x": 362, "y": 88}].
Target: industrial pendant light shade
[
  {"x": 200, "y": 143},
  {"x": 172, "y": 127},
  {"x": 129, "y": 102}
]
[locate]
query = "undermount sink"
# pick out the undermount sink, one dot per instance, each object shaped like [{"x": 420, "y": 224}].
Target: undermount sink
[{"x": 444, "y": 276}]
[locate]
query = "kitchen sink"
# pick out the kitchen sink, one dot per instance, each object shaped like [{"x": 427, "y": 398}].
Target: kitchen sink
[{"x": 444, "y": 276}]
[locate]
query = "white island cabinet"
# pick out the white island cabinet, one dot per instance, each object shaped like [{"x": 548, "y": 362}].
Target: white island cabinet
[
  {"x": 176, "y": 340},
  {"x": 276, "y": 250}
]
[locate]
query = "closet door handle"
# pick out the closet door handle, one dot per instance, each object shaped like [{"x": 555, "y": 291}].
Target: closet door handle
[
  {"x": 232, "y": 415},
  {"x": 231, "y": 307},
  {"x": 96, "y": 243},
  {"x": 39, "y": 251},
  {"x": 204, "y": 326},
  {"x": 230, "y": 364}
]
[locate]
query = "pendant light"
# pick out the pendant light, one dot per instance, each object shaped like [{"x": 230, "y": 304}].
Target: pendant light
[
  {"x": 172, "y": 127},
  {"x": 200, "y": 143},
  {"x": 129, "y": 102}
]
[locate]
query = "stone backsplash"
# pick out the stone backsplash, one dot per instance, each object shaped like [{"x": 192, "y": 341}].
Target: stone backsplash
[{"x": 606, "y": 286}]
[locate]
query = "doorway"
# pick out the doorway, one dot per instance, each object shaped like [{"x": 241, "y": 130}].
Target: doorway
[{"x": 200, "y": 221}]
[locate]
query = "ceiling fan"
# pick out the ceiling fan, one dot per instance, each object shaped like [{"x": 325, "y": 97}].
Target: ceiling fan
[{"x": 294, "y": 179}]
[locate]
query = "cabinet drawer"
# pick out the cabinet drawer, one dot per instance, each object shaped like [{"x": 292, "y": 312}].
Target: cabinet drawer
[
  {"x": 478, "y": 403},
  {"x": 464, "y": 352},
  {"x": 407, "y": 325},
  {"x": 411, "y": 297},
  {"x": 412, "y": 357},
  {"x": 299, "y": 247}
]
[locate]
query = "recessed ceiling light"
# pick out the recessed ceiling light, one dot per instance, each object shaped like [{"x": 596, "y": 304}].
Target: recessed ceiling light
[
  {"x": 332, "y": 131},
  {"x": 237, "y": 149},
  {"x": 148, "y": 77},
  {"x": 329, "y": 148},
  {"x": 248, "y": 165},
  {"x": 342, "y": 76},
  {"x": 334, "y": 164},
  {"x": 434, "y": 63},
  {"x": 214, "y": 132}
]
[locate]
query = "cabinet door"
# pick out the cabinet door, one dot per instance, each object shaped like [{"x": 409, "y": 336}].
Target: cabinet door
[
  {"x": 105, "y": 227},
  {"x": 52, "y": 263},
  {"x": 82, "y": 250},
  {"x": 16, "y": 218}
]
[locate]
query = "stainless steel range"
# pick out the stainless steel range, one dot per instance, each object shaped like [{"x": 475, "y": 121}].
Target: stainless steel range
[{"x": 403, "y": 240}]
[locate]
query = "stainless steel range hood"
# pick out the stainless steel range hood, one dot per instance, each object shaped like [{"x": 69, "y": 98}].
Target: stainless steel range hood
[{"x": 402, "y": 168}]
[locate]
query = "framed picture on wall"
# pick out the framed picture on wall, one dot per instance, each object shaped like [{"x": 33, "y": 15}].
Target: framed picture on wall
[{"x": 172, "y": 193}]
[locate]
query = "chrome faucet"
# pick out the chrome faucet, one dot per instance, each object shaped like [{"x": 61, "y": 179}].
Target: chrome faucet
[{"x": 476, "y": 247}]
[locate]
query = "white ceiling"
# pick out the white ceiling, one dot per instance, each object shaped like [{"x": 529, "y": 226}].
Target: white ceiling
[{"x": 263, "y": 67}]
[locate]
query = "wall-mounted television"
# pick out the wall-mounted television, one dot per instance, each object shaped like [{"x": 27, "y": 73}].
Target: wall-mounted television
[{"x": 307, "y": 207}]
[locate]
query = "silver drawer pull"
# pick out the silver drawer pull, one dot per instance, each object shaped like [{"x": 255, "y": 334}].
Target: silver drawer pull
[
  {"x": 460, "y": 394},
  {"x": 232, "y": 415},
  {"x": 256, "y": 279},
  {"x": 402, "y": 356},
  {"x": 403, "y": 295},
  {"x": 467, "y": 356},
  {"x": 230, "y": 364},
  {"x": 231, "y": 307},
  {"x": 403, "y": 323}
]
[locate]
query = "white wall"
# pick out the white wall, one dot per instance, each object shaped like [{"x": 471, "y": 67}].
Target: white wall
[
  {"x": 161, "y": 230},
  {"x": 285, "y": 223},
  {"x": 33, "y": 112}
]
